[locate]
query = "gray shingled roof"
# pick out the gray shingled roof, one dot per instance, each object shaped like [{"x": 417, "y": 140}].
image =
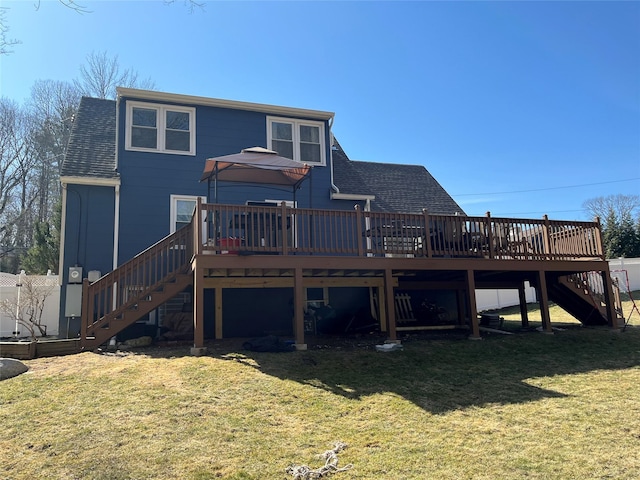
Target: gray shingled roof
[
  {"x": 397, "y": 188},
  {"x": 92, "y": 145}
]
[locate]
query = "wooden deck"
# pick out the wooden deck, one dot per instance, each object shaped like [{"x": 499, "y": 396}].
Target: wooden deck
[{"x": 237, "y": 246}]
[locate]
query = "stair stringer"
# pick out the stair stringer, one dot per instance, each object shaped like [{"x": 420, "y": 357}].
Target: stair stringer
[
  {"x": 578, "y": 299},
  {"x": 109, "y": 325}
]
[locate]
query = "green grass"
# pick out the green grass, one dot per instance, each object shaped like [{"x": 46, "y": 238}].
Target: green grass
[
  {"x": 528, "y": 405},
  {"x": 561, "y": 319}
]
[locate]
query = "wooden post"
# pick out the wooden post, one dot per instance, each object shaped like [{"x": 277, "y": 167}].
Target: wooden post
[
  {"x": 359, "y": 237},
  {"x": 471, "y": 305},
  {"x": 298, "y": 309},
  {"x": 197, "y": 228},
  {"x": 608, "y": 298},
  {"x": 283, "y": 229},
  {"x": 599, "y": 242},
  {"x": 85, "y": 314},
  {"x": 198, "y": 312},
  {"x": 546, "y": 236},
  {"x": 427, "y": 233},
  {"x": 382, "y": 310},
  {"x": 489, "y": 235},
  {"x": 389, "y": 305},
  {"x": 524, "y": 314},
  {"x": 543, "y": 301},
  {"x": 218, "y": 312}
]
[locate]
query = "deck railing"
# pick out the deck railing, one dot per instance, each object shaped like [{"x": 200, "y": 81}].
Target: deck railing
[
  {"x": 304, "y": 231},
  {"x": 122, "y": 288}
]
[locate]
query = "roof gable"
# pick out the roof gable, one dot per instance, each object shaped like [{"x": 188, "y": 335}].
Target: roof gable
[
  {"x": 397, "y": 188},
  {"x": 92, "y": 144}
]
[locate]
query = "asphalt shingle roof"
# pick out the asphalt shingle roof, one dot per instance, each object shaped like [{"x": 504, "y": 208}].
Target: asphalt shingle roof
[
  {"x": 397, "y": 188},
  {"x": 92, "y": 145}
]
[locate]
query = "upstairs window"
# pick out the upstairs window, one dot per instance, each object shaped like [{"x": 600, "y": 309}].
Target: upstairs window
[
  {"x": 160, "y": 128},
  {"x": 300, "y": 140}
]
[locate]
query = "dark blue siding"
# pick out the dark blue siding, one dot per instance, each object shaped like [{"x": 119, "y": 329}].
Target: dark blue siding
[
  {"x": 149, "y": 179},
  {"x": 89, "y": 228},
  {"x": 88, "y": 235}
]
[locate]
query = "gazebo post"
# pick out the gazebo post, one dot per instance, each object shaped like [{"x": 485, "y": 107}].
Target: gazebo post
[{"x": 215, "y": 181}]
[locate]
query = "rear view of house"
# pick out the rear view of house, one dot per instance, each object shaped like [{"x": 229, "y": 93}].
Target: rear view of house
[{"x": 251, "y": 219}]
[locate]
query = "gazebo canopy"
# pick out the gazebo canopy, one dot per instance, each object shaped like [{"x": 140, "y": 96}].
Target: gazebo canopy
[{"x": 256, "y": 165}]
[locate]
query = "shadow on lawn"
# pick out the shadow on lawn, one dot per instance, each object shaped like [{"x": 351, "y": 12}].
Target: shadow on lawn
[{"x": 440, "y": 375}]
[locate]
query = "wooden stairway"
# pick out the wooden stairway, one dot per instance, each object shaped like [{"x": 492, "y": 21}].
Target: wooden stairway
[
  {"x": 126, "y": 294},
  {"x": 582, "y": 296}
]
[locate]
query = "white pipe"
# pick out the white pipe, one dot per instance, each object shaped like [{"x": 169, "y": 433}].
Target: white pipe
[
  {"x": 19, "y": 285},
  {"x": 116, "y": 226},
  {"x": 63, "y": 226}
]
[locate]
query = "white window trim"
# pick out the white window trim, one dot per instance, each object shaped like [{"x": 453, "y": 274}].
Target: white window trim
[
  {"x": 296, "y": 137},
  {"x": 173, "y": 212},
  {"x": 161, "y": 127}
]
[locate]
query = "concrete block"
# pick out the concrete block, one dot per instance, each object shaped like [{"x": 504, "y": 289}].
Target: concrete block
[{"x": 198, "y": 351}]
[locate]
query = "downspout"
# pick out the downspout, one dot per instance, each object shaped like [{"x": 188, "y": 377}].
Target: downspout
[
  {"x": 63, "y": 226},
  {"x": 333, "y": 185},
  {"x": 116, "y": 207},
  {"x": 116, "y": 226}
]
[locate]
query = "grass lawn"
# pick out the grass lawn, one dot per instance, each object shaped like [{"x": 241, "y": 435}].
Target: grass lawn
[{"x": 529, "y": 405}]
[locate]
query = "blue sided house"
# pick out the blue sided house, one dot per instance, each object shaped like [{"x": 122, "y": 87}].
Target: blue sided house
[{"x": 198, "y": 218}]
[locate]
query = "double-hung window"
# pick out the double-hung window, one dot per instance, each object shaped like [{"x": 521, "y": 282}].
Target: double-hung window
[
  {"x": 300, "y": 140},
  {"x": 160, "y": 128}
]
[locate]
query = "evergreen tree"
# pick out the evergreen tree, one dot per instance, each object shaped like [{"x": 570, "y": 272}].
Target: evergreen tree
[
  {"x": 620, "y": 217},
  {"x": 611, "y": 235},
  {"x": 44, "y": 253},
  {"x": 629, "y": 239}
]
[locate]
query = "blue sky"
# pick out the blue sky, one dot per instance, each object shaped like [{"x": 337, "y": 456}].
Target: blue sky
[{"x": 519, "y": 108}]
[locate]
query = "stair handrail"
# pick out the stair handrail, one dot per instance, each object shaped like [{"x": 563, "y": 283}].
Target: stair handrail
[
  {"x": 595, "y": 290},
  {"x": 106, "y": 293}
]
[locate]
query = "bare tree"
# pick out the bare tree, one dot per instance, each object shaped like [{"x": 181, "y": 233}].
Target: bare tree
[
  {"x": 102, "y": 74},
  {"x": 613, "y": 206},
  {"x": 16, "y": 163},
  {"x": 52, "y": 107},
  {"x": 72, "y": 4},
  {"x": 5, "y": 42},
  {"x": 9, "y": 152},
  {"x": 27, "y": 307},
  {"x": 33, "y": 141},
  {"x": 192, "y": 5}
]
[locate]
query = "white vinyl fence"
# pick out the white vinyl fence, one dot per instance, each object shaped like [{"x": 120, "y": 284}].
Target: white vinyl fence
[
  {"x": 44, "y": 286},
  {"x": 626, "y": 269},
  {"x": 494, "y": 299}
]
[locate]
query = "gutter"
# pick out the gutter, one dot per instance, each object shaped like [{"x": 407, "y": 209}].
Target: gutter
[
  {"x": 95, "y": 181},
  {"x": 134, "y": 93}
]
